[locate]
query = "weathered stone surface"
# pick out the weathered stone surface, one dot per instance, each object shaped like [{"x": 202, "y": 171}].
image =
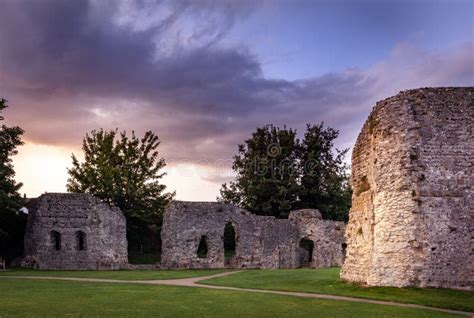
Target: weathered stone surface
[
  {"x": 327, "y": 236},
  {"x": 104, "y": 242},
  {"x": 261, "y": 242},
  {"x": 412, "y": 216}
]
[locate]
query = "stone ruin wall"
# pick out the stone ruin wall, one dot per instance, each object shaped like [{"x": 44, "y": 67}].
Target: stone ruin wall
[
  {"x": 185, "y": 223},
  {"x": 412, "y": 216},
  {"x": 327, "y": 236},
  {"x": 105, "y": 244},
  {"x": 261, "y": 241}
]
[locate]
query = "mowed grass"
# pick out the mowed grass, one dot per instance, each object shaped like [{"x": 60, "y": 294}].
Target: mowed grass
[
  {"x": 326, "y": 281},
  {"x": 39, "y": 298},
  {"x": 118, "y": 274}
]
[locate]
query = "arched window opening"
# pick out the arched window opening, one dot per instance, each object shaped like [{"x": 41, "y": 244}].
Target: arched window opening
[
  {"x": 306, "y": 252},
  {"x": 56, "y": 240},
  {"x": 202, "y": 248},
  {"x": 230, "y": 241},
  {"x": 81, "y": 243}
]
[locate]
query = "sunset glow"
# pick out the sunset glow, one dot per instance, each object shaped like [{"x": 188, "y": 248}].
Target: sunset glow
[{"x": 203, "y": 77}]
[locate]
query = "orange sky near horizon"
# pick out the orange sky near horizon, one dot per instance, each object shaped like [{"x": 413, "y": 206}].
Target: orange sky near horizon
[{"x": 43, "y": 168}]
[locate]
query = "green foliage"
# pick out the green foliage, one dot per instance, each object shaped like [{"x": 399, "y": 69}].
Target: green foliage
[
  {"x": 324, "y": 179},
  {"x": 125, "y": 172},
  {"x": 12, "y": 222},
  {"x": 276, "y": 173},
  {"x": 266, "y": 181}
]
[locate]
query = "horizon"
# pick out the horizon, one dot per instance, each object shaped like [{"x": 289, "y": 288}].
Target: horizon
[{"x": 204, "y": 75}]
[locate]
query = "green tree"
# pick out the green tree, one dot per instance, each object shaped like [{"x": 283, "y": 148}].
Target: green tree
[
  {"x": 12, "y": 222},
  {"x": 125, "y": 172},
  {"x": 277, "y": 173},
  {"x": 267, "y": 182},
  {"x": 324, "y": 181}
]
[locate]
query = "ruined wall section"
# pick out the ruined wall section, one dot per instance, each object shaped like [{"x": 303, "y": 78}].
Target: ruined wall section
[
  {"x": 327, "y": 236},
  {"x": 279, "y": 243},
  {"x": 405, "y": 194},
  {"x": 396, "y": 256},
  {"x": 360, "y": 228},
  {"x": 105, "y": 243},
  {"x": 445, "y": 193},
  {"x": 185, "y": 223},
  {"x": 261, "y": 241}
]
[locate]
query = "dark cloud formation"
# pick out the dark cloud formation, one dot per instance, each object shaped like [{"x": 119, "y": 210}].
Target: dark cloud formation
[{"x": 71, "y": 66}]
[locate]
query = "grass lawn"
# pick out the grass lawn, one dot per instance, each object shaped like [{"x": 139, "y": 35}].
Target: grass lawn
[
  {"x": 119, "y": 274},
  {"x": 326, "y": 281},
  {"x": 36, "y": 298}
]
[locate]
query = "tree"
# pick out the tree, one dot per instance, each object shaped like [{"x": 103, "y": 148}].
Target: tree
[
  {"x": 277, "y": 173},
  {"x": 324, "y": 180},
  {"x": 266, "y": 181},
  {"x": 12, "y": 222},
  {"x": 125, "y": 172}
]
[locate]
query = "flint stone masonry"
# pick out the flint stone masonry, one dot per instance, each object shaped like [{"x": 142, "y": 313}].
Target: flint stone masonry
[
  {"x": 261, "y": 241},
  {"x": 327, "y": 236},
  {"x": 74, "y": 231},
  {"x": 412, "y": 216}
]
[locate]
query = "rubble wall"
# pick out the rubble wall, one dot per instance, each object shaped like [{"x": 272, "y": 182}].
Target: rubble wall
[
  {"x": 412, "y": 216},
  {"x": 261, "y": 241},
  {"x": 104, "y": 242}
]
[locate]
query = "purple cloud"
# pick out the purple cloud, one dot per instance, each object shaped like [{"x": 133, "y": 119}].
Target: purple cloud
[{"x": 68, "y": 67}]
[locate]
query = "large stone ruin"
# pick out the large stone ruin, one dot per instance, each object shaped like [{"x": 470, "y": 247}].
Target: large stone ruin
[
  {"x": 74, "y": 231},
  {"x": 412, "y": 216},
  {"x": 261, "y": 241}
]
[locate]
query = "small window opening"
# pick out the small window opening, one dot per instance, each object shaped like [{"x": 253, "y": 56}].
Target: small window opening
[
  {"x": 56, "y": 240},
  {"x": 81, "y": 241}
]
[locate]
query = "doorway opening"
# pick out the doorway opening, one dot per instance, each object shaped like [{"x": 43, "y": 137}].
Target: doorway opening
[
  {"x": 202, "y": 247},
  {"x": 306, "y": 252},
  {"x": 56, "y": 240},
  {"x": 230, "y": 242}
]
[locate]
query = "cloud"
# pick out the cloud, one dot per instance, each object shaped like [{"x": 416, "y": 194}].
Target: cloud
[
  {"x": 410, "y": 67},
  {"x": 68, "y": 67}
]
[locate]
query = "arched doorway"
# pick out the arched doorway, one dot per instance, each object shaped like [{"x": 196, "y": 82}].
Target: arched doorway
[
  {"x": 306, "y": 252},
  {"x": 230, "y": 243},
  {"x": 202, "y": 247}
]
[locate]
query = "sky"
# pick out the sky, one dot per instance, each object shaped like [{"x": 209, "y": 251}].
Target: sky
[{"x": 204, "y": 74}]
